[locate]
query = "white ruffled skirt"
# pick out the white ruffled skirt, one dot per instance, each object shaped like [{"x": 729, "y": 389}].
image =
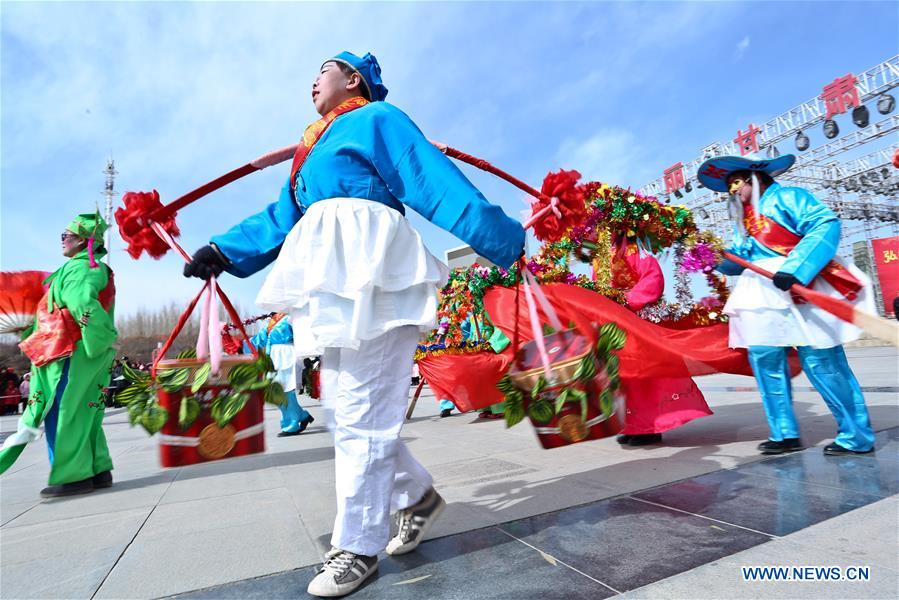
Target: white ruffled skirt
[
  {"x": 351, "y": 270},
  {"x": 762, "y": 315}
]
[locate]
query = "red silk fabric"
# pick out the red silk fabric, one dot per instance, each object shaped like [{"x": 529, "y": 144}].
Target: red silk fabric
[
  {"x": 468, "y": 380},
  {"x": 651, "y": 350}
]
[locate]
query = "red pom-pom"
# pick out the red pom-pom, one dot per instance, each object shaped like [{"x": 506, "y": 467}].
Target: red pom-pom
[
  {"x": 134, "y": 224},
  {"x": 229, "y": 344},
  {"x": 896, "y": 158},
  {"x": 572, "y": 207}
]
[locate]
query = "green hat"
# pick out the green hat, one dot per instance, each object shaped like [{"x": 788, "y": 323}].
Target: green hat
[{"x": 88, "y": 225}]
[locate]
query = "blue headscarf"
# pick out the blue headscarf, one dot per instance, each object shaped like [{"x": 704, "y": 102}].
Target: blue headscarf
[{"x": 370, "y": 71}]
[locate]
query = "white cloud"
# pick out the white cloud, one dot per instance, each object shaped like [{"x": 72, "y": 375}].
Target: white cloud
[
  {"x": 613, "y": 156},
  {"x": 742, "y": 47}
]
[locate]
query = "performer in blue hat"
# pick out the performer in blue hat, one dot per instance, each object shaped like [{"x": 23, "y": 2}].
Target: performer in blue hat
[
  {"x": 359, "y": 285},
  {"x": 788, "y": 231}
]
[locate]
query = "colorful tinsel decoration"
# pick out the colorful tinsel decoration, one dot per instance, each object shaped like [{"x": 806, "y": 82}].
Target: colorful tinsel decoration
[{"x": 612, "y": 217}]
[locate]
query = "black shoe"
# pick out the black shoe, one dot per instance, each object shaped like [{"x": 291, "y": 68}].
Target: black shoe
[
  {"x": 623, "y": 439},
  {"x": 289, "y": 433},
  {"x": 102, "y": 480},
  {"x": 446, "y": 412},
  {"x": 787, "y": 445},
  {"x": 644, "y": 439},
  {"x": 85, "y": 486},
  {"x": 837, "y": 450},
  {"x": 305, "y": 423}
]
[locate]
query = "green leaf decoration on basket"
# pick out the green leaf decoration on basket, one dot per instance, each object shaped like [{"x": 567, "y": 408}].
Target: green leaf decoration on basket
[
  {"x": 232, "y": 404},
  {"x": 274, "y": 394},
  {"x": 612, "y": 367},
  {"x": 505, "y": 385},
  {"x": 561, "y": 399},
  {"x": 173, "y": 380},
  {"x": 586, "y": 369},
  {"x": 134, "y": 376},
  {"x": 217, "y": 409},
  {"x": 538, "y": 387},
  {"x": 134, "y": 392},
  {"x": 200, "y": 377},
  {"x": 614, "y": 336},
  {"x": 607, "y": 402},
  {"x": 264, "y": 363},
  {"x": 135, "y": 411},
  {"x": 187, "y": 353},
  {"x": 153, "y": 418},
  {"x": 514, "y": 409},
  {"x": 541, "y": 411},
  {"x": 257, "y": 385},
  {"x": 243, "y": 375},
  {"x": 188, "y": 412}
]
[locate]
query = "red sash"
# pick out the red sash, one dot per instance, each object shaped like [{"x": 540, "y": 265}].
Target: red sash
[
  {"x": 314, "y": 132},
  {"x": 782, "y": 240}
]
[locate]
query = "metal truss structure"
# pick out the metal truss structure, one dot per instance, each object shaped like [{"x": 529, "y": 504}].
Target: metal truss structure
[
  {"x": 853, "y": 174},
  {"x": 872, "y": 83}
]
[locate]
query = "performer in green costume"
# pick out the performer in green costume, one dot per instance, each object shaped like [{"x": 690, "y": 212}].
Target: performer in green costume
[{"x": 71, "y": 349}]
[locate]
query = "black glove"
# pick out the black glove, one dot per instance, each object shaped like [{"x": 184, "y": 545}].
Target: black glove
[
  {"x": 784, "y": 281},
  {"x": 206, "y": 262}
]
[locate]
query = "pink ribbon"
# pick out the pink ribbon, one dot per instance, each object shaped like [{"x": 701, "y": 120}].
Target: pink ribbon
[{"x": 209, "y": 341}]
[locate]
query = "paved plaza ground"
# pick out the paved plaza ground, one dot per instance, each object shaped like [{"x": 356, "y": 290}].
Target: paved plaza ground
[{"x": 592, "y": 520}]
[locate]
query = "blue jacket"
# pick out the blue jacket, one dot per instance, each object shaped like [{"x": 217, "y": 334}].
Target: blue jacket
[
  {"x": 281, "y": 333},
  {"x": 376, "y": 153},
  {"x": 797, "y": 210}
]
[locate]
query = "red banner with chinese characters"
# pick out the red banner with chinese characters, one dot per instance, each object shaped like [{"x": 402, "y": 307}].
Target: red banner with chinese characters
[{"x": 886, "y": 257}]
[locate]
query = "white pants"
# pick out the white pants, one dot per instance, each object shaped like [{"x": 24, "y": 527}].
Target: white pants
[{"x": 364, "y": 394}]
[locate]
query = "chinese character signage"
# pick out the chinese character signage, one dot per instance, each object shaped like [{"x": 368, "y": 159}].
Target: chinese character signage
[
  {"x": 841, "y": 95},
  {"x": 886, "y": 258},
  {"x": 674, "y": 178},
  {"x": 747, "y": 142}
]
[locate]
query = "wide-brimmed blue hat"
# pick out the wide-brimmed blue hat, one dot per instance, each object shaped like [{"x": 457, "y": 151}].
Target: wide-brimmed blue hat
[
  {"x": 370, "y": 71},
  {"x": 714, "y": 172}
]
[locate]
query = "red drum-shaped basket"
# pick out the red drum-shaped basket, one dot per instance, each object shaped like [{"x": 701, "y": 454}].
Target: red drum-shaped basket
[
  {"x": 204, "y": 440},
  {"x": 566, "y": 350}
]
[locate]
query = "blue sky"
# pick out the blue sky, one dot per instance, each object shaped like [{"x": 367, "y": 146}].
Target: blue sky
[{"x": 180, "y": 93}]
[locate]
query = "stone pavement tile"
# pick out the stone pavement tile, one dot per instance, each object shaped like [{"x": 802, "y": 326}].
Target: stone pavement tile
[
  {"x": 723, "y": 578},
  {"x": 868, "y": 535},
  {"x": 215, "y": 480},
  {"x": 484, "y": 564},
  {"x": 886, "y": 443},
  {"x": 140, "y": 492},
  {"x": 625, "y": 543},
  {"x": 64, "y": 559},
  {"x": 869, "y": 473},
  {"x": 12, "y": 510},
  {"x": 23, "y": 486},
  {"x": 774, "y": 506},
  {"x": 201, "y": 543}
]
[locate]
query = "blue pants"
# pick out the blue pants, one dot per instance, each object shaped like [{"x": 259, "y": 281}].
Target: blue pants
[
  {"x": 292, "y": 414},
  {"x": 829, "y": 372},
  {"x": 447, "y": 404}
]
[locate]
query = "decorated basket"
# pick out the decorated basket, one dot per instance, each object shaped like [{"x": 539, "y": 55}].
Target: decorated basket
[
  {"x": 227, "y": 422},
  {"x": 565, "y": 382},
  {"x": 205, "y": 406}
]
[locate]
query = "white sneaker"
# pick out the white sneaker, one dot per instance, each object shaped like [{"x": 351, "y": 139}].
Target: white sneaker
[
  {"x": 342, "y": 573},
  {"x": 413, "y": 523}
]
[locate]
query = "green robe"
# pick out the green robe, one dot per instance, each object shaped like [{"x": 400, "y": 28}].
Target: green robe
[{"x": 66, "y": 395}]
